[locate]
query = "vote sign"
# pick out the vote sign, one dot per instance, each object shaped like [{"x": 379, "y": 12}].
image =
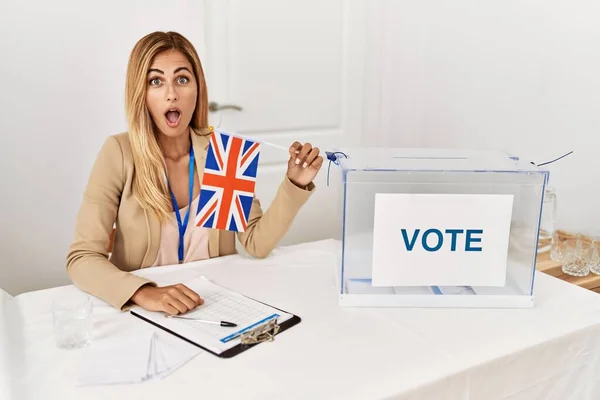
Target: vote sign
[{"x": 441, "y": 239}]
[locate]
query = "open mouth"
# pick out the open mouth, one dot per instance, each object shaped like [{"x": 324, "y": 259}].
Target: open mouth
[{"x": 173, "y": 116}]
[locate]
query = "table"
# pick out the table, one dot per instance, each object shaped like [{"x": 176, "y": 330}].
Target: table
[{"x": 548, "y": 352}]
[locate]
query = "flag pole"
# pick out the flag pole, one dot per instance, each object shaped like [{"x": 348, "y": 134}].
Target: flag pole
[{"x": 277, "y": 146}]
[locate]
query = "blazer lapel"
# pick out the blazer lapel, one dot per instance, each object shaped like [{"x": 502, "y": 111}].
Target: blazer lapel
[
  {"x": 153, "y": 239},
  {"x": 200, "y": 143}
]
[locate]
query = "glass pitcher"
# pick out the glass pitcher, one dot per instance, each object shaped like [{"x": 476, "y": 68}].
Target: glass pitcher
[{"x": 547, "y": 221}]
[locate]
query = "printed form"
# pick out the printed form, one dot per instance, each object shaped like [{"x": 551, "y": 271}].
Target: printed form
[{"x": 220, "y": 304}]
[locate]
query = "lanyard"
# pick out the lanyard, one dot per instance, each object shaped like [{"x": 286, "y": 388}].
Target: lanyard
[{"x": 183, "y": 225}]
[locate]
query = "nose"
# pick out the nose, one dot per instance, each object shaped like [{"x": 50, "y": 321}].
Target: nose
[{"x": 171, "y": 93}]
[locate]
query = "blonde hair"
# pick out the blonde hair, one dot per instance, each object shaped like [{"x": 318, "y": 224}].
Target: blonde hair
[{"x": 149, "y": 184}]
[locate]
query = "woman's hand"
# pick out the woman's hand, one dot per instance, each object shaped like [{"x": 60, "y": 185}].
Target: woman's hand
[
  {"x": 304, "y": 164},
  {"x": 175, "y": 299}
]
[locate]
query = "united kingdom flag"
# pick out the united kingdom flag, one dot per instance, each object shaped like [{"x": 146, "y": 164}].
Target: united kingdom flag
[{"x": 228, "y": 183}]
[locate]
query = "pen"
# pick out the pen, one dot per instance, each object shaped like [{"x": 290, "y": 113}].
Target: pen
[{"x": 222, "y": 323}]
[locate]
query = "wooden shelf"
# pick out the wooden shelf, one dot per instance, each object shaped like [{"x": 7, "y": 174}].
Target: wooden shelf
[{"x": 554, "y": 268}]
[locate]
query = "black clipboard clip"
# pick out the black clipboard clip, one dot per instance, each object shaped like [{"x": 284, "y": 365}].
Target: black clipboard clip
[{"x": 262, "y": 333}]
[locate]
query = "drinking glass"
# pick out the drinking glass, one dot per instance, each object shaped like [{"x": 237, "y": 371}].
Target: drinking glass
[
  {"x": 595, "y": 258},
  {"x": 559, "y": 239},
  {"x": 577, "y": 255},
  {"x": 72, "y": 318}
]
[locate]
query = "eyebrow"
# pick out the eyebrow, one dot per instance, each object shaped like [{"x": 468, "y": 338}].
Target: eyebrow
[
  {"x": 176, "y": 71},
  {"x": 182, "y": 69}
]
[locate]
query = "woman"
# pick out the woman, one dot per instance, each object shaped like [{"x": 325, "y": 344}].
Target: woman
[{"x": 142, "y": 177}]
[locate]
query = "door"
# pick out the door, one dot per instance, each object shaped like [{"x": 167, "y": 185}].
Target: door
[{"x": 281, "y": 71}]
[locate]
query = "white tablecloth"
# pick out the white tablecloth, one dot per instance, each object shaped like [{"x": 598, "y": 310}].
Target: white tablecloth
[{"x": 549, "y": 352}]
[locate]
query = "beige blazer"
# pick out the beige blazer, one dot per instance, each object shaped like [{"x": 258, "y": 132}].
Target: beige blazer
[{"x": 108, "y": 200}]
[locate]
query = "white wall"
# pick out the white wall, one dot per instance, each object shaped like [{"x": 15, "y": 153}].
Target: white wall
[
  {"x": 505, "y": 74},
  {"x": 519, "y": 75},
  {"x": 62, "y": 68}
]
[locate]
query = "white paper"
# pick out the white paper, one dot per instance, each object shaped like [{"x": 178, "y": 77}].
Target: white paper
[
  {"x": 456, "y": 290},
  {"x": 120, "y": 359},
  {"x": 174, "y": 352},
  {"x": 421, "y": 239},
  {"x": 134, "y": 358},
  {"x": 152, "y": 362},
  {"x": 220, "y": 304},
  {"x": 406, "y": 290},
  {"x": 363, "y": 286}
]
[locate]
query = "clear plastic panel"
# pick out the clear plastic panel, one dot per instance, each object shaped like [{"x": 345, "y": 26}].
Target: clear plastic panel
[{"x": 356, "y": 188}]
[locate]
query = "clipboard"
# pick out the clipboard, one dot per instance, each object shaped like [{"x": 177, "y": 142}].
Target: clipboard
[{"x": 248, "y": 337}]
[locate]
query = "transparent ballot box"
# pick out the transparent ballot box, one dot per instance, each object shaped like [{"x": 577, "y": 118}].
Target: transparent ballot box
[{"x": 436, "y": 227}]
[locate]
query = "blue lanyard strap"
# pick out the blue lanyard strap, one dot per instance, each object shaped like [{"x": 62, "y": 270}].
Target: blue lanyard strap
[{"x": 183, "y": 225}]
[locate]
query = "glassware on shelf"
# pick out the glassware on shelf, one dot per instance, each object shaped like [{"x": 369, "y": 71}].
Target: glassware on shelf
[
  {"x": 577, "y": 255},
  {"x": 558, "y": 241},
  {"x": 593, "y": 237}
]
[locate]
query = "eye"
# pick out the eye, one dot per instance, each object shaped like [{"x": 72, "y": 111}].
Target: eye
[
  {"x": 182, "y": 80},
  {"x": 155, "y": 81}
]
